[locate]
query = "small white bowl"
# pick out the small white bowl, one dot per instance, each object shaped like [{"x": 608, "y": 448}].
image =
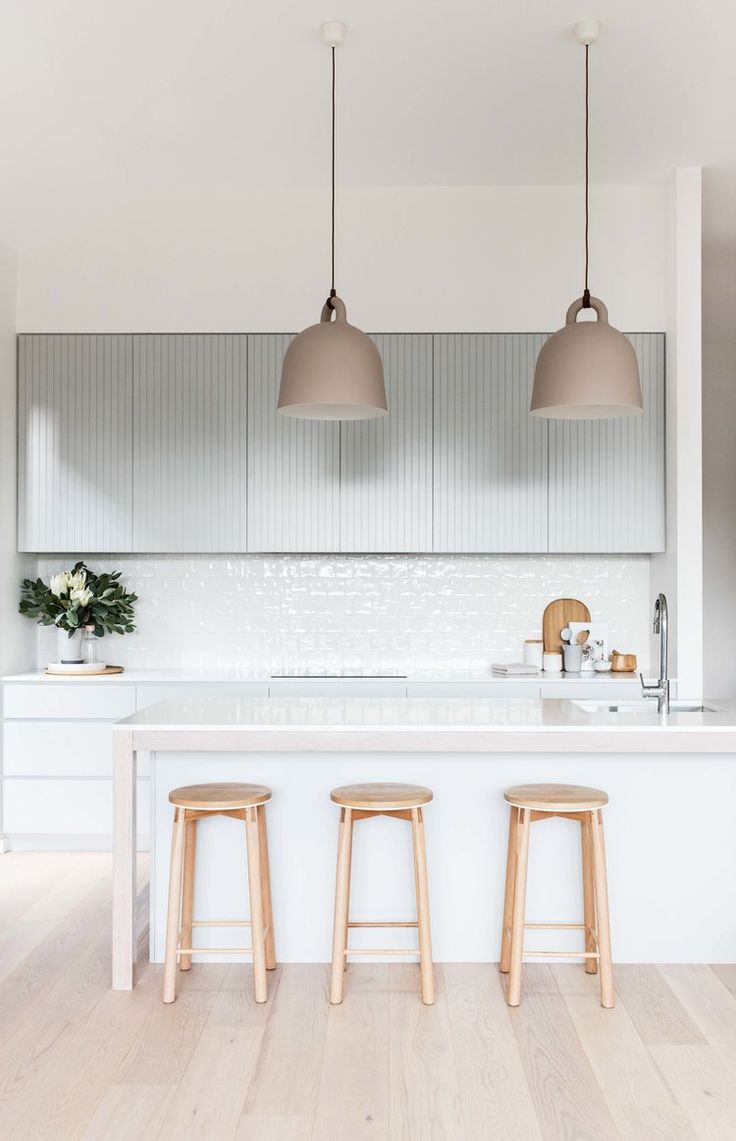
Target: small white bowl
[{"x": 602, "y": 667}]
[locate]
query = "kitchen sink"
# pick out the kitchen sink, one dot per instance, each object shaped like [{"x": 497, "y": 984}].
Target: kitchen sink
[{"x": 645, "y": 705}]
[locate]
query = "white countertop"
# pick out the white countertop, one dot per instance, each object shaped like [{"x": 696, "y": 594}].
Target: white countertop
[
  {"x": 236, "y": 676},
  {"x": 452, "y": 724}
]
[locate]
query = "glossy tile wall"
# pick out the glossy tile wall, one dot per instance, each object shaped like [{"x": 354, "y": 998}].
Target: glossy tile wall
[{"x": 409, "y": 612}]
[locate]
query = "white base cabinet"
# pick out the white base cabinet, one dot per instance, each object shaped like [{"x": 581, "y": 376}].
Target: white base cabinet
[{"x": 57, "y": 740}]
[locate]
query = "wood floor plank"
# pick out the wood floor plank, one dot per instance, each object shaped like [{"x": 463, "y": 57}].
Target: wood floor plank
[
  {"x": 163, "y": 1050},
  {"x": 705, "y": 1087},
  {"x": 130, "y": 1113},
  {"x": 659, "y": 1017},
  {"x": 272, "y": 1127},
  {"x": 726, "y": 972},
  {"x": 26, "y": 876},
  {"x": 286, "y": 1081},
  {"x": 494, "y": 1093},
  {"x": 211, "y": 1094},
  {"x": 424, "y": 1089},
  {"x": 52, "y": 908},
  {"x": 567, "y": 1098},
  {"x": 353, "y": 1098},
  {"x": 634, "y": 1089},
  {"x": 708, "y": 1002}
]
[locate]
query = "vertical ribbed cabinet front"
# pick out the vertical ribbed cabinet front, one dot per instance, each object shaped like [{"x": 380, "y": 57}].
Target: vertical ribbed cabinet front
[
  {"x": 490, "y": 455},
  {"x": 189, "y": 472},
  {"x": 293, "y": 465},
  {"x": 386, "y": 464},
  {"x": 607, "y": 477},
  {"x": 74, "y": 442}
]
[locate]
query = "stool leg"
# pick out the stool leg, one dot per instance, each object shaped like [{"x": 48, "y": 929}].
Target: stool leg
[
  {"x": 508, "y": 899},
  {"x": 174, "y": 913},
  {"x": 187, "y": 895},
  {"x": 601, "y": 899},
  {"x": 589, "y": 919},
  {"x": 342, "y": 903},
  {"x": 266, "y": 889},
  {"x": 256, "y": 905},
  {"x": 517, "y": 922},
  {"x": 422, "y": 888}
]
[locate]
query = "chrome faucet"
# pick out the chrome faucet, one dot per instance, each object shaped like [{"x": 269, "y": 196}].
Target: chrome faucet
[{"x": 661, "y": 689}]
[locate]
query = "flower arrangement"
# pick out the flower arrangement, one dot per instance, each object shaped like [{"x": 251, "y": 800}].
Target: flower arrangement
[{"x": 77, "y": 598}]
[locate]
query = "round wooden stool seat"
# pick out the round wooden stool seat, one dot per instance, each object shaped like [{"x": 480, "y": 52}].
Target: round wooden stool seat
[
  {"x": 556, "y": 797},
  {"x": 217, "y": 797},
  {"x": 381, "y": 797}
]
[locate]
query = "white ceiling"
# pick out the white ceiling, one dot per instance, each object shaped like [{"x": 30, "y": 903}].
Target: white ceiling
[{"x": 100, "y": 100}]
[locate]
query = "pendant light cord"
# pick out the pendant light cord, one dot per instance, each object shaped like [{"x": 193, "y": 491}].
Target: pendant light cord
[
  {"x": 332, "y": 221},
  {"x": 586, "y": 291}
]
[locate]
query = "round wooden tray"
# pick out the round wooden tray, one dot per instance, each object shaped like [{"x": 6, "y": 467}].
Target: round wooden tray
[{"x": 102, "y": 673}]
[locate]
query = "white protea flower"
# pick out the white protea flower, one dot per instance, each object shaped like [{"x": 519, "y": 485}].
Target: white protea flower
[
  {"x": 82, "y": 595},
  {"x": 77, "y": 581},
  {"x": 59, "y": 584}
]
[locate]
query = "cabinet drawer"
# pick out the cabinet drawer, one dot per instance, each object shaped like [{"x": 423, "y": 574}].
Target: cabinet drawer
[
  {"x": 60, "y": 748},
  {"x": 58, "y": 700},
  {"x": 65, "y": 806},
  {"x": 349, "y": 688},
  {"x": 148, "y": 694}
]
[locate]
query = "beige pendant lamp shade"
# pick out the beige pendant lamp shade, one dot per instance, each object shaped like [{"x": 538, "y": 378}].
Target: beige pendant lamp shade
[
  {"x": 587, "y": 370},
  {"x": 332, "y": 371}
]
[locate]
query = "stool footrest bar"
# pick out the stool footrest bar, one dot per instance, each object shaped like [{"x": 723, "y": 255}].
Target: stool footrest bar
[
  {"x": 560, "y": 954},
  {"x": 554, "y": 927},
  {"x": 385, "y": 923},
  {"x": 221, "y": 923},
  {"x": 214, "y": 951},
  {"x": 381, "y": 951}
]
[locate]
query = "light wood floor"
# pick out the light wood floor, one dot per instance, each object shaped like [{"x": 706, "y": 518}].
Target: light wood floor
[{"x": 77, "y": 1060}]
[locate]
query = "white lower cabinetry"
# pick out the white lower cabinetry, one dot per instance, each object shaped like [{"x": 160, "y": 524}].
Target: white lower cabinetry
[{"x": 57, "y": 740}]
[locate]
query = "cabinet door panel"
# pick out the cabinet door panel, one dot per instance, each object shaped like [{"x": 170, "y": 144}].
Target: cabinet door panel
[
  {"x": 607, "y": 477},
  {"x": 293, "y": 465},
  {"x": 189, "y": 442},
  {"x": 490, "y": 455},
  {"x": 386, "y": 464},
  {"x": 75, "y": 442}
]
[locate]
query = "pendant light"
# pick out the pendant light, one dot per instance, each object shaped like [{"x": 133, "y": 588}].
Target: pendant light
[
  {"x": 332, "y": 371},
  {"x": 586, "y": 370}
]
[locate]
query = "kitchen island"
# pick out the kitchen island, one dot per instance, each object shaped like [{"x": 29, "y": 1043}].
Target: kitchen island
[{"x": 671, "y": 840}]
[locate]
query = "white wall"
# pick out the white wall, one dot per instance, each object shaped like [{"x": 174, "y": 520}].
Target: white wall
[
  {"x": 17, "y": 640},
  {"x": 719, "y": 517},
  {"x": 409, "y": 259}
]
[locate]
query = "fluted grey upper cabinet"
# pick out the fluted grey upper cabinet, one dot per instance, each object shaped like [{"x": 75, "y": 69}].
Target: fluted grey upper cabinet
[
  {"x": 75, "y": 442},
  {"x": 607, "y": 477},
  {"x": 293, "y": 465},
  {"x": 490, "y": 455},
  {"x": 189, "y": 473},
  {"x": 386, "y": 464}
]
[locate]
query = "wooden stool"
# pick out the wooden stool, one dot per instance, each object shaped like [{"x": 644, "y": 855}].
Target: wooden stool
[
  {"x": 360, "y": 802},
  {"x": 243, "y": 802},
  {"x": 530, "y": 802}
]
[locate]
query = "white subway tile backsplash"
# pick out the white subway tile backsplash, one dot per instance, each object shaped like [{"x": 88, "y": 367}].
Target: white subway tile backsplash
[{"x": 410, "y": 612}]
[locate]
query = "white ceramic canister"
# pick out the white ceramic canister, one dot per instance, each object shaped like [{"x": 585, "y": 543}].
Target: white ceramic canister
[
  {"x": 533, "y": 652},
  {"x": 552, "y": 663}
]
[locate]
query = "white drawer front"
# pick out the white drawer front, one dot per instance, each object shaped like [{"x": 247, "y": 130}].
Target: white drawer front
[
  {"x": 440, "y": 689},
  {"x": 148, "y": 694},
  {"x": 60, "y": 748},
  {"x": 65, "y": 806},
  {"x": 76, "y": 700},
  {"x": 337, "y": 687}
]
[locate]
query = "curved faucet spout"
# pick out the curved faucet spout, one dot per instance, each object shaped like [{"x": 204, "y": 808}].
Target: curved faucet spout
[{"x": 660, "y": 625}]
